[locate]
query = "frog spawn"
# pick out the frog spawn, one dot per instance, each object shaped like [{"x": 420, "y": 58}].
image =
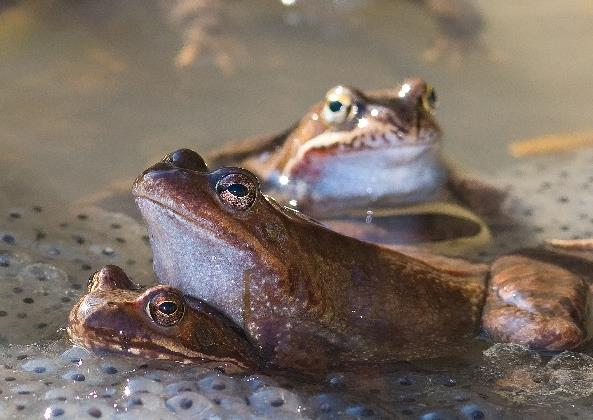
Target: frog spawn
[
  {"x": 46, "y": 256},
  {"x": 551, "y": 197},
  {"x": 62, "y": 382}
]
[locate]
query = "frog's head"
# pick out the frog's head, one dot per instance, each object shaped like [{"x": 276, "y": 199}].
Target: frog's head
[
  {"x": 212, "y": 232},
  {"x": 355, "y": 148},
  {"x": 157, "y": 323},
  {"x": 349, "y": 120}
]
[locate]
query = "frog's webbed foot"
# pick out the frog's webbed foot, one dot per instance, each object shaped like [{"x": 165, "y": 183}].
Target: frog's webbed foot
[{"x": 536, "y": 304}]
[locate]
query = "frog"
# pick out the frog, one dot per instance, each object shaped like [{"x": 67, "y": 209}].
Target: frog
[
  {"x": 159, "y": 323},
  {"x": 311, "y": 298},
  {"x": 360, "y": 161}
]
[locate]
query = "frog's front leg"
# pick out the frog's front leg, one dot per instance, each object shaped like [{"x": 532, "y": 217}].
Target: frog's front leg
[{"x": 536, "y": 304}]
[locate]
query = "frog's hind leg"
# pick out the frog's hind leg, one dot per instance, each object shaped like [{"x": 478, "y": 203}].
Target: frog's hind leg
[{"x": 535, "y": 303}]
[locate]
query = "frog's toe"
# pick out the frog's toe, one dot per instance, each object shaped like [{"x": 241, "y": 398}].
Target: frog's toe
[
  {"x": 536, "y": 304},
  {"x": 510, "y": 324}
]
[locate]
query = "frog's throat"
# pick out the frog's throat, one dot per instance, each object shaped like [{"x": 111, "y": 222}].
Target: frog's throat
[{"x": 197, "y": 260}]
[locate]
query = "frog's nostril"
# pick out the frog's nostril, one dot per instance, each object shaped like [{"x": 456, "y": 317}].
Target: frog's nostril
[{"x": 186, "y": 159}]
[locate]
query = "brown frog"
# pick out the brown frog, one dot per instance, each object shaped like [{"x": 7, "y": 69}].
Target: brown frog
[
  {"x": 311, "y": 298},
  {"x": 360, "y": 150},
  {"x": 157, "y": 323},
  {"x": 369, "y": 165}
]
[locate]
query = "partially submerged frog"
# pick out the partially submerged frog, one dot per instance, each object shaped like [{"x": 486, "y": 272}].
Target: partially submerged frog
[
  {"x": 158, "y": 323},
  {"x": 358, "y": 149},
  {"x": 356, "y": 156},
  {"x": 311, "y": 298}
]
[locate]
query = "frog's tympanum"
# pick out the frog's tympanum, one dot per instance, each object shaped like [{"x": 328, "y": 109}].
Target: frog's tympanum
[
  {"x": 157, "y": 323},
  {"x": 358, "y": 150},
  {"x": 309, "y": 297}
]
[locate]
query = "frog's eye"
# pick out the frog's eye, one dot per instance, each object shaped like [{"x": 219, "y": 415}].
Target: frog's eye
[
  {"x": 166, "y": 309},
  {"x": 429, "y": 99},
  {"x": 337, "y": 107},
  {"x": 237, "y": 191}
]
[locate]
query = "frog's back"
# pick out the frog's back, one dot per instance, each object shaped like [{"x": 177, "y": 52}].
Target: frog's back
[{"x": 379, "y": 298}]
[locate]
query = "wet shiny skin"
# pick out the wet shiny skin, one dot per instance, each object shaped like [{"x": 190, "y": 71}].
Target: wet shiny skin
[
  {"x": 289, "y": 282},
  {"x": 157, "y": 323},
  {"x": 324, "y": 163}
]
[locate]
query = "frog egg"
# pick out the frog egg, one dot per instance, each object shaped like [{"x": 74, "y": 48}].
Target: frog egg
[
  {"x": 76, "y": 355},
  {"x": 472, "y": 412},
  {"x": 93, "y": 410},
  {"x": 43, "y": 272},
  {"x": 60, "y": 394},
  {"x": 74, "y": 375},
  {"x": 268, "y": 401},
  {"x": 39, "y": 366},
  {"x": 144, "y": 401},
  {"x": 58, "y": 410},
  {"x": 217, "y": 383},
  {"x": 326, "y": 404},
  {"x": 189, "y": 404},
  {"x": 232, "y": 403},
  {"x": 359, "y": 411},
  {"x": 181, "y": 386},
  {"x": 11, "y": 263},
  {"x": 437, "y": 415},
  {"x": 28, "y": 388},
  {"x": 142, "y": 384}
]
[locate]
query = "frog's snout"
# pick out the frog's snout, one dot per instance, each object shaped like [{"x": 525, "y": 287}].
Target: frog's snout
[
  {"x": 110, "y": 277},
  {"x": 186, "y": 159}
]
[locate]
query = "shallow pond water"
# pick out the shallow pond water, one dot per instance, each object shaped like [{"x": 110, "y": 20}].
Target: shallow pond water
[{"x": 93, "y": 91}]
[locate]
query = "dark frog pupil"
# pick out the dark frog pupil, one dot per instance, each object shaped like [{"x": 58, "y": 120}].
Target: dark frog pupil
[
  {"x": 335, "y": 106},
  {"x": 168, "y": 308},
  {"x": 238, "y": 190}
]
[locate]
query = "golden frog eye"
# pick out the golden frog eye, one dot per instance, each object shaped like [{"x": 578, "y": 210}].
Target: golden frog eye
[
  {"x": 338, "y": 104},
  {"x": 429, "y": 99},
  {"x": 166, "y": 309},
  {"x": 237, "y": 191}
]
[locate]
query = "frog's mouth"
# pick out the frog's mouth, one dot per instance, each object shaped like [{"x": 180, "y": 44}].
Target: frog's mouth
[
  {"x": 104, "y": 342},
  {"x": 376, "y": 137}
]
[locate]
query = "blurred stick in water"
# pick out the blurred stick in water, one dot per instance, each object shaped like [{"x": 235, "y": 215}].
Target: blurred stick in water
[
  {"x": 582, "y": 244},
  {"x": 550, "y": 144},
  {"x": 201, "y": 23}
]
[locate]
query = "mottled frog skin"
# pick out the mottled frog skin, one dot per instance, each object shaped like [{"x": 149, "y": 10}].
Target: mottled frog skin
[{"x": 310, "y": 298}]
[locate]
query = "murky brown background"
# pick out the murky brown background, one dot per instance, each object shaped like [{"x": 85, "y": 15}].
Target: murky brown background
[{"x": 90, "y": 92}]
